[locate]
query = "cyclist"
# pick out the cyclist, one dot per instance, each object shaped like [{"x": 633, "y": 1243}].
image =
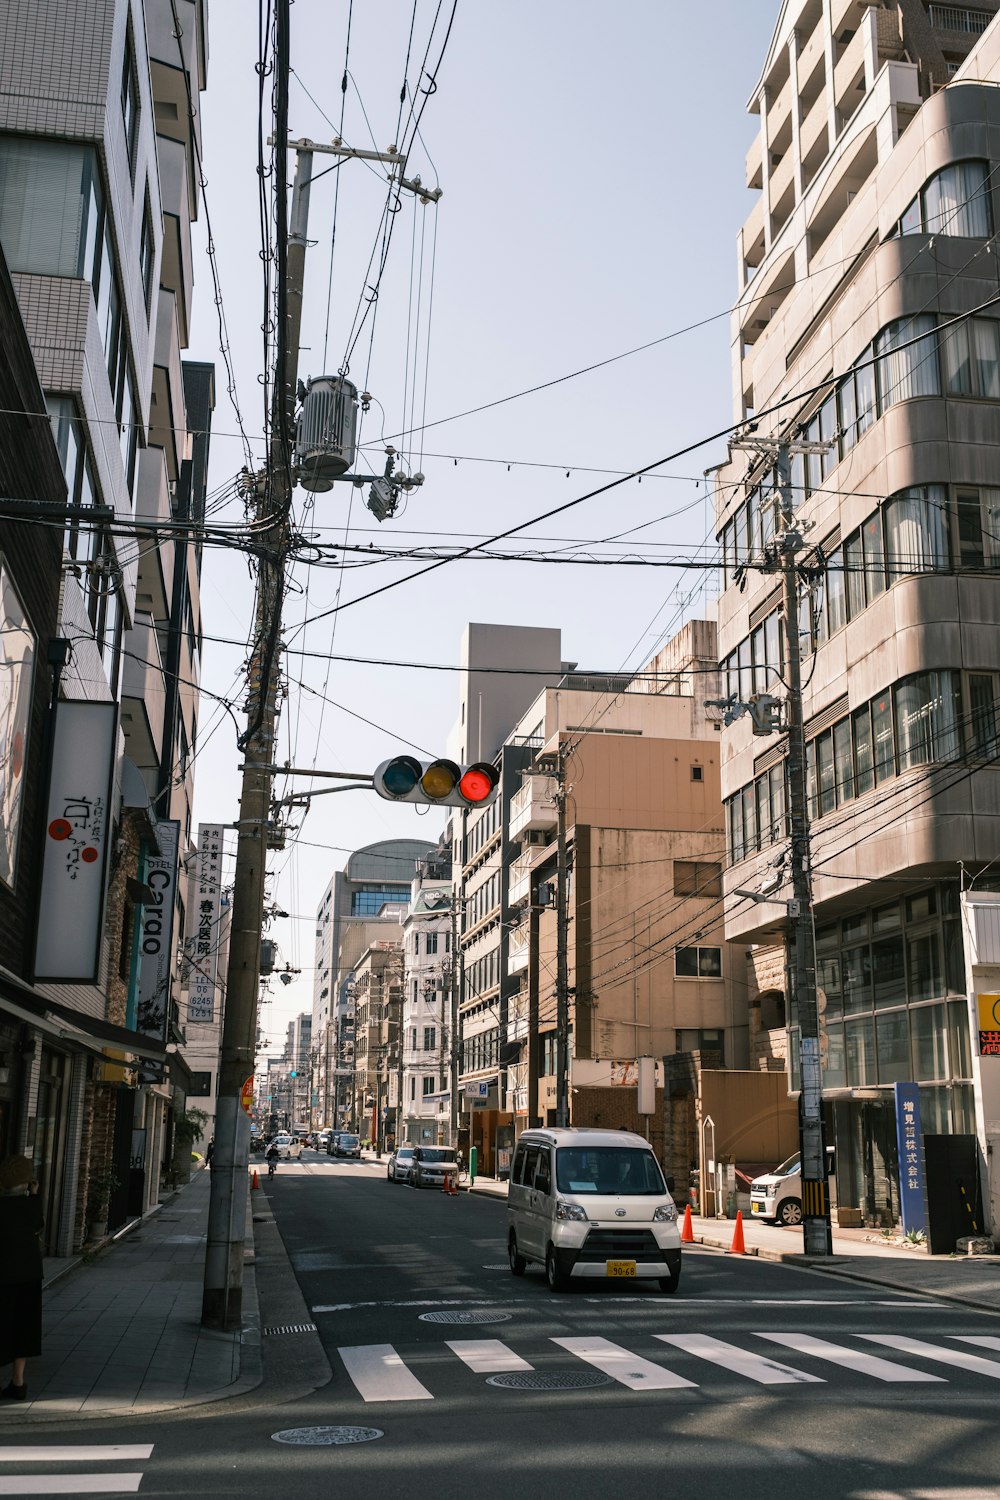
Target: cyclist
[{"x": 272, "y": 1159}]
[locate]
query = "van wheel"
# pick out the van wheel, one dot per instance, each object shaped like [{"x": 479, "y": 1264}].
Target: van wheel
[
  {"x": 670, "y": 1283},
  {"x": 555, "y": 1278},
  {"x": 789, "y": 1212},
  {"x": 518, "y": 1264}
]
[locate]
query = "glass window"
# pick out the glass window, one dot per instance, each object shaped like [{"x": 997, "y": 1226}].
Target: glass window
[
  {"x": 750, "y": 830},
  {"x": 847, "y": 398},
  {"x": 825, "y": 773},
  {"x": 983, "y": 716},
  {"x": 959, "y": 1043},
  {"x": 686, "y": 963},
  {"x": 130, "y": 102},
  {"x": 986, "y": 359},
  {"x": 956, "y": 201},
  {"x": 886, "y": 918},
  {"x": 907, "y": 366},
  {"x": 843, "y": 760},
  {"x": 971, "y": 553},
  {"x": 957, "y": 361},
  {"x": 709, "y": 963},
  {"x": 854, "y": 928},
  {"x": 916, "y": 529},
  {"x": 954, "y": 957},
  {"x": 856, "y": 976},
  {"x": 860, "y": 1050},
  {"x": 928, "y": 706},
  {"x": 871, "y": 535},
  {"x": 864, "y": 386},
  {"x": 864, "y": 762},
  {"x": 44, "y": 190},
  {"x": 928, "y": 1042},
  {"x": 854, "y": 570},
  {"x": 888, "y": 972},
  {"x": 772, "y": 646},
  {"x": 828, "y": 980},
  {"x": 893, "y": 1038},
  {"x": 921, "y": 906},
  {"x": 776, "y": 776},
  {"x": 923, "y": 959},
  {"x": 835, "y": 1066},
  {"x": 885, "y": 760},
  {"x": 836, "y": 600},
  {"x": 811, "y": 790},
  {"x": 910, "y": 222},
  {"x": 697, "y": 878}
]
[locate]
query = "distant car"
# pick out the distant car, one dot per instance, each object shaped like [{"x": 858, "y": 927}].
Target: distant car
[
  {"x": 282, "y": 1140},
  {"x": 331, "y": 1142},
  {"x": 348, "y": 1145},
  {"x": 321, "y": 1139},
  {"x": 400, "y": 1164},
  {"x": 256, "y": 1141},
  {"x": 432, "y": 1164}
]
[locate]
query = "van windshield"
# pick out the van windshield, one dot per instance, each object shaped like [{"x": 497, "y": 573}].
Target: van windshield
[{"x": 609, "y": 1170}]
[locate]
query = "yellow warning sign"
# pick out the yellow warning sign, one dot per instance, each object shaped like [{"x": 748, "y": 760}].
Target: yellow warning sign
[{"x": 989, "y": 1012}]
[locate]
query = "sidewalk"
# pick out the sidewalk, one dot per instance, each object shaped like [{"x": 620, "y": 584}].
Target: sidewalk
[{"x": 121, "y": 1333}]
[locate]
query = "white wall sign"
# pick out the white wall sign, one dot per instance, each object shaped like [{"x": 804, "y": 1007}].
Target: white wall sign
[
  {"x": 156, "y": 945},
  {"x": 75, "y": 858},
  {"x": 207, "y": 920}
]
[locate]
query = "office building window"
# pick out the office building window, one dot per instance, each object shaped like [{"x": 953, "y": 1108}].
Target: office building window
[
  {"x": 430, "y": 1038},
  {"x": 698, "y": 963},
  {"x": 955, "y": 201},
  {"x": 130, "y": 100},
  {"x": 695, "y": 878}
]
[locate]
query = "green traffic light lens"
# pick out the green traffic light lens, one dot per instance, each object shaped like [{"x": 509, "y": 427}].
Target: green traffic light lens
[
  {"x": 401, "y": 775},
  {"x": 440, "y": 778}
]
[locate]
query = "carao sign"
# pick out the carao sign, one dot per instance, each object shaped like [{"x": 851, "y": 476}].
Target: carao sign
[{"x": 156, "y": 943}]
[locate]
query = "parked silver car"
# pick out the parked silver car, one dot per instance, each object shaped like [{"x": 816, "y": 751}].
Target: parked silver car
[
  {"x": 400, "y": 1164},
  {"x": 432, "y": 1164},
  {"x": 347, "y": 1145}
]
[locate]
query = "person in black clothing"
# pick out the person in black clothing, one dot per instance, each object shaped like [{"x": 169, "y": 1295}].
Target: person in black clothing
[
  {"x": 273, "y": 1156},
  {"x": 21, "y": 1222},
  {"x": 210, "y": 1152}
]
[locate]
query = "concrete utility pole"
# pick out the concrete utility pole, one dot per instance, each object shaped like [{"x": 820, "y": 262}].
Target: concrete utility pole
[
  {"x": 780, "y": 555},
  {"x": 562, "y": 948}
]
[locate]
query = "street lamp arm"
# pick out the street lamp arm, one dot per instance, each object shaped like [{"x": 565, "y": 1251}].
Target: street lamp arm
[{"x": 301, "y": 799}]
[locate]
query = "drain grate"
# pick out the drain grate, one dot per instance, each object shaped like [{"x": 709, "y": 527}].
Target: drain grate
[
  {"x": 326, "y": 1437},
  {"x": 500, "y": 1266},
  {"x": 524, "y": 1380},
  {"x": 465, "y": 1317},
  {"x": 289, "y": 1328}
]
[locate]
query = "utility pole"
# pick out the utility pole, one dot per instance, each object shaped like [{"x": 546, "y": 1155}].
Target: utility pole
[
  {"x": 816, "y": 1230},
  {"x": 780, "y": 555},
  {"x": 562, "y": 947}
]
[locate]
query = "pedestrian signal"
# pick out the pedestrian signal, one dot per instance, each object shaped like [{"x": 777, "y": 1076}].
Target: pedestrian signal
[{"x": 406, "y": 779}]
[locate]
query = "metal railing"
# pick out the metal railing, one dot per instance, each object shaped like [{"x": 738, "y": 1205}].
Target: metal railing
[{"x": 959, "y": 18}]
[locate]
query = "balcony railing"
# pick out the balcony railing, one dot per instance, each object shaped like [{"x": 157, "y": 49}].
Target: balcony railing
[
  {"x": 959, "y": 18},
  {"x": 520, "y": 879},
  {"x": 533, "y": 806}
]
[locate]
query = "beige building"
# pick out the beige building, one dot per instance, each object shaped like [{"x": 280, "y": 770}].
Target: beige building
[
  {"x": 378, "y": 991},
  {"x": 867, "y": 324}
]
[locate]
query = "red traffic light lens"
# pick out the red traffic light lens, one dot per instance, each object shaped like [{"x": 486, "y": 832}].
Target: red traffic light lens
[
  {"x": 477, "y": 783},
  {"x": 401, "y": 775}
]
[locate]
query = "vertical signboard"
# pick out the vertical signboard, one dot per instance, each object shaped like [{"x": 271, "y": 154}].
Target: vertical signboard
[
  {"x": 156, "y": 945},
  {"x": 988, "y": 1014},
  {"x": 75, "y": 857},
  {"x": 207, "y": 917},
  {"x": 17, "y": 660},
  {"x": 910, "y": 1145}
]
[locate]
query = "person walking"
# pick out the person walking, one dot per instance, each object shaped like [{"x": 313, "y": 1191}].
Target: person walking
[{"x": 21, "y": 1223}]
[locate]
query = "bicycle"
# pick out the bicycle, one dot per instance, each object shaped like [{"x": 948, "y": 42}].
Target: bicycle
[{"x": 271, "y": 1168}]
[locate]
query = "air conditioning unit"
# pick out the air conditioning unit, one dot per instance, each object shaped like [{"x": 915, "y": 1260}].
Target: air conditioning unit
[{"x": 536, "y": 836}]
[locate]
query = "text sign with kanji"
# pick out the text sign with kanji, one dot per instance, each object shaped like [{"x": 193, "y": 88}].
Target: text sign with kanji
[
  {"x": 988, "y": 1007},
  {"x": 910, "y": 1144}
]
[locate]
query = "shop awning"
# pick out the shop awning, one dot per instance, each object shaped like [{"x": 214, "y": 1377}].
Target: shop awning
[{"x": 91, "y": 1033}]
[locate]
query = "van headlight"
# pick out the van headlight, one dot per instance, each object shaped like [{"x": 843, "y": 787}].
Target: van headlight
[
  {"x": 570, "y": 1211},
  {"x": 666, "y": 1214}
]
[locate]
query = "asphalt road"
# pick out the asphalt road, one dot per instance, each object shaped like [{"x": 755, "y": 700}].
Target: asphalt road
[{"x": 469, "y": 1383}]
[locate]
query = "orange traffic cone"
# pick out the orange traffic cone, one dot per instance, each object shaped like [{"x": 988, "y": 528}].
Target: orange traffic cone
[
  {"x": 255, "y": 1181},
  {"x": 687, "y": 1232},
  {"x": 738, "y": 1247}
]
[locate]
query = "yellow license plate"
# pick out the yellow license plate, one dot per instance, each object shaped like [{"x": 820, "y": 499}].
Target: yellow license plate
[
  {"x": 756, "y": 1208},
  {"x": 620, "y": 1267}
]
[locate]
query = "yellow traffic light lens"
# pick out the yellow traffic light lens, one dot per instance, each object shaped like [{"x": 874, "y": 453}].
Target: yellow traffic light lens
[
  {"x": 440, "y": 778},
  {"x": 476, "y": 784}
]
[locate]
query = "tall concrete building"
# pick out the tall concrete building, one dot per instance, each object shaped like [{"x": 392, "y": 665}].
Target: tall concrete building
[
  {"x": 866, "y": 324},
  {"x": 98, "y": 187}
]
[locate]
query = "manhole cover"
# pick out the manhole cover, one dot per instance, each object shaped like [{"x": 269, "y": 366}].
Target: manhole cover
[
  {"x": 325, "y": 1437},
  {"x": 525, "y": 1380},
  {"x": 465, "y": 1317}
]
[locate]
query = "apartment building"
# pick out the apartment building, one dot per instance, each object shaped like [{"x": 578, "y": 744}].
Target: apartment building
[
  {"x": 370, "y": 890},
  {"x": 426, "y": 1049},
  {"x": 867, "y": 326},
  {"x": 98, "y": 125},
  {"x": 378, "y": 1003}
]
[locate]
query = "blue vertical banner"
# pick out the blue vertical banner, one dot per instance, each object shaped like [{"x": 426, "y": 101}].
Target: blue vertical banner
[{"x": 910, "y": 1141}]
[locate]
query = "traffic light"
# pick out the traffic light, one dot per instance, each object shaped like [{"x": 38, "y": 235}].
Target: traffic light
[{"x": 406, "y": 779}]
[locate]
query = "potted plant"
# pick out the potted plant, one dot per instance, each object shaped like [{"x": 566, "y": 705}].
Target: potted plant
[
  {"x": 189, "y": 1126},
  {"x": 100, "y": 1185}
]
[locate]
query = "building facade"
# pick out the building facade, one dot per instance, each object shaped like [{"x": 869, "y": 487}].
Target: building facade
[
  {"x": 426, "y": 1048},
  {"x": 866, "y": 326}
]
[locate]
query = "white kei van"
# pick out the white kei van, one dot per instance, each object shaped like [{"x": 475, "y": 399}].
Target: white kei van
[{"x": 591, "y": 1204}]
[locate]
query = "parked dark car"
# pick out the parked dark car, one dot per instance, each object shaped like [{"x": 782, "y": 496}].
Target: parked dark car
[{"x": 348, "y": 1145}]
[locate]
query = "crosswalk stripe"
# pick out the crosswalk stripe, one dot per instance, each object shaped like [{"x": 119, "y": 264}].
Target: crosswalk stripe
[
  {"x": 957, "y": 1357},
  {"x": 380, "y": 1374},
  {"x": 66, "y": 1453},
  {"x": 70, "y": 1484},
  {"x": 487, "y": 1356},
  {"x": 851, "y": 1359},
  {"x": 627, "y": 1368},
  {"x": 984, "y": 1340},
  {"x": 741, "y": 1361}
]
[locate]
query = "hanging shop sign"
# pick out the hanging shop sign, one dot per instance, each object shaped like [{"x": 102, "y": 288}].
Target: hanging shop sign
[
  {"x": 988, "y": 1007},
  {"x": 156, "y": 942},
  {"x": 75, "y": 857},
  {"x": 207, "y": 925}
]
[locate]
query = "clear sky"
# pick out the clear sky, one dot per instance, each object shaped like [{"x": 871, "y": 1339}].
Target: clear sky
[{"x": 592, "y": 162}]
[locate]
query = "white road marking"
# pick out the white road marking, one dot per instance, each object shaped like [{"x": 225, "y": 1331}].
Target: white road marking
[
  {"x": 58, "y": 1453},
  {"x": 487, "y": 1356},
  {"x": 851, "y": 1359},
  {"x": 380, "y": 1374},
  {"x": 627, "y": 1368},
  {"x": 984, "y": 1340},
  {"x": 753, "y": 1366},
  {"x": 70, "y": 1484},
  {"x": 957, "y": 1357}
]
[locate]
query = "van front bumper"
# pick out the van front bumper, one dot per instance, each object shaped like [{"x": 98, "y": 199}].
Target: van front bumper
[{"x": 587, "y": 1255}]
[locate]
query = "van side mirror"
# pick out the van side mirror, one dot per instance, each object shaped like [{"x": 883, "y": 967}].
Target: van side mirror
[{"x": 670, "y": 1184}]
